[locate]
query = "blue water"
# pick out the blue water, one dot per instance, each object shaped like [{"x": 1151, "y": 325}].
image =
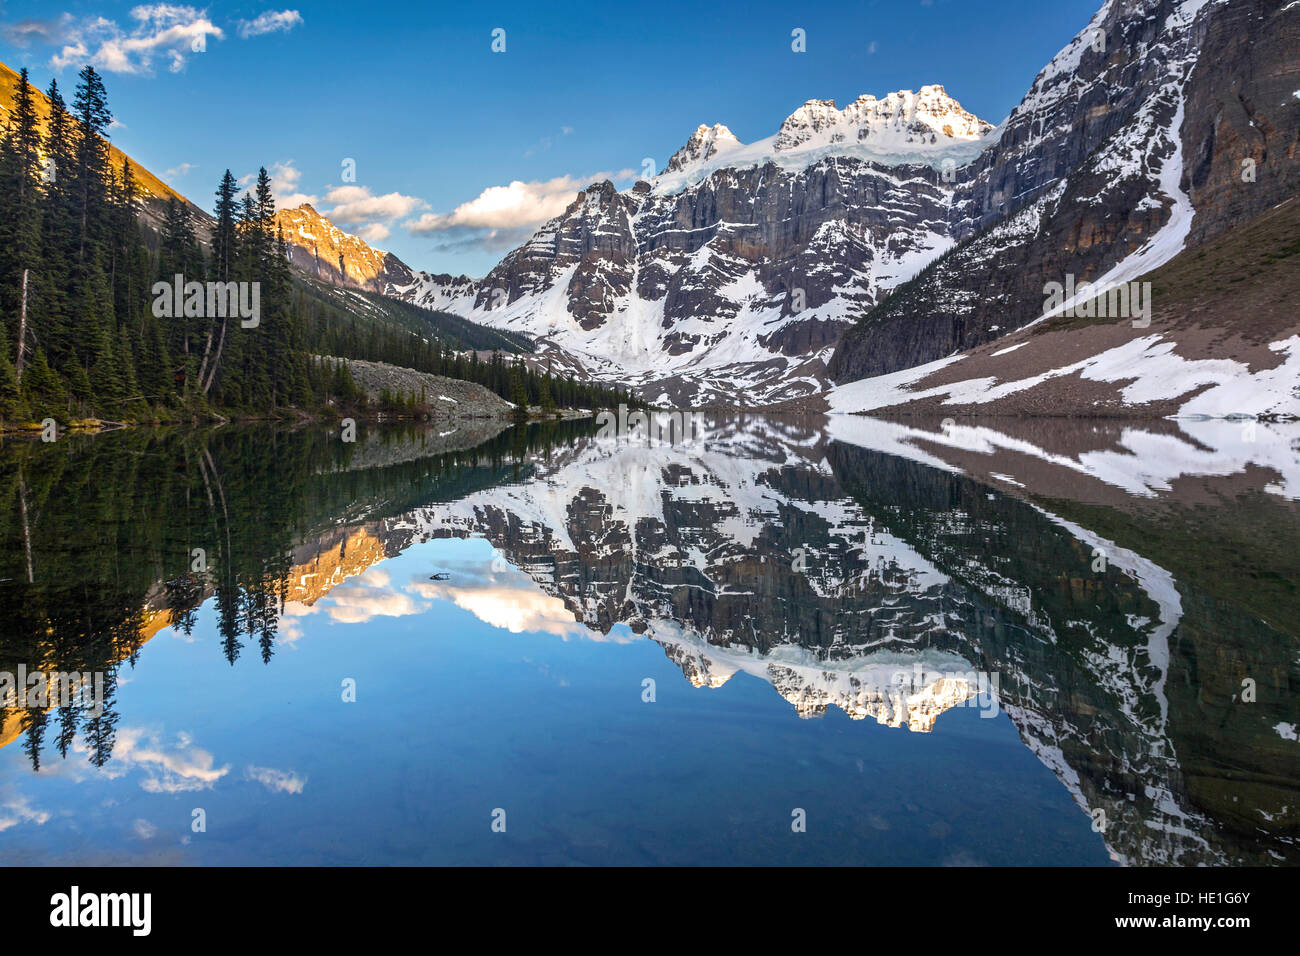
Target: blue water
[{"x": 455, "y": 718}]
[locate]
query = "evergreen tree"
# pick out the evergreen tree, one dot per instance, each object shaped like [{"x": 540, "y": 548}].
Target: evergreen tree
[
  {"x": 20, "y": 200},
  {"x": 225, "y": 255},
  {"x": 90, "y": 163}
]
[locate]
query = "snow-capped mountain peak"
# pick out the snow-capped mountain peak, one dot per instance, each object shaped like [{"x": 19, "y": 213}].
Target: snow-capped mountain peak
[
  {"x": 925, "y": 127},
  {"x": 900, "y": 119},
  {"x": 705, "y": 143}
]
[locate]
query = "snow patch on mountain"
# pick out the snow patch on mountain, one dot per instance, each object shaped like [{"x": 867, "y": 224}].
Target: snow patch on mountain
[{"x": 905, "y": 127}]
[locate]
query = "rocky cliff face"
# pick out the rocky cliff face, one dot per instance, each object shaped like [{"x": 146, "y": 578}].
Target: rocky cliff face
[
  {"x": 1128, "y": 148},
  {"x": 730, "y": 276},
  {"x": 322, "y": 250},
  {"x": 705, "y": 143}
]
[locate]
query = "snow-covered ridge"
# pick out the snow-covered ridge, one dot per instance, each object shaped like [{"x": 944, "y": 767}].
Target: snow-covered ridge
[
  {"x": 705, "y": 143},
  {"x": 926, "y": 127}
]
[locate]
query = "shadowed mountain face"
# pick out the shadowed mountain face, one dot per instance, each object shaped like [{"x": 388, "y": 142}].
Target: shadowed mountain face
[
  {"x": 884, "y": 575},
  {"x": 1163, "y": 125}
]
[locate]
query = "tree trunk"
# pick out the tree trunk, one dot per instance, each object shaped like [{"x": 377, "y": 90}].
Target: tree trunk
[
  {"x": 22, "y": 330},
  {"x": 216, "y": 359}
]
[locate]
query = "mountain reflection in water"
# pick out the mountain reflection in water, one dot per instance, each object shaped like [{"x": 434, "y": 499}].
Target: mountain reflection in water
[{"x": 1118, "y": 591}]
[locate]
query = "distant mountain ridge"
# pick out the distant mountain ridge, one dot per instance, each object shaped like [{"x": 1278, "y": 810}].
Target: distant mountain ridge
[
  {"x": 730, "y": 276},
  {"x": 894, "y": 232}
]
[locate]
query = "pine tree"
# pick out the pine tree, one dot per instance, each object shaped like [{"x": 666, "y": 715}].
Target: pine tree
[
  {"x": 41, "y": 389},
  {"x": 179, "y": 253},
  {"x": 90, "y": 164},
  {"x": 546, "y": 400},
  {"x": 518, "y": 390},
  {"x": 50, "y": 305},
  {"x": 11, "y": 408},
  {"x": 20, "y": 206},
  {"x": 225, "y": 254}
]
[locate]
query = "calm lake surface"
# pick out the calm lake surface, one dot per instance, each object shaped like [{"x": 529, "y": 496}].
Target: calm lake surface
[{"x": 859, "y": 642}]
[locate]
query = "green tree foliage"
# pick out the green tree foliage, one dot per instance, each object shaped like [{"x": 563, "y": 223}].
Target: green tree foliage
[{"x": 96, "y": 342}]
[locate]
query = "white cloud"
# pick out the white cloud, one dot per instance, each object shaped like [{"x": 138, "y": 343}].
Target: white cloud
[
  {"x": 366, "y": 596},
  {"x": 171, "y": 32},
  {"x": 508, "y": 599},
  {"x": 283, "y": 781},
  {"x": 181, "y": 170},
  {"x": 374, "y": 232},
  {"x": 284, "y": 185},
  {"x": 514, "y": 206},
  {"x": 166, "y": 32},
  {"x": 356, "y": 204},
  {"x": 352, "y": 604},
  {"x": 460, "y": 241},
  {"x": 269, "y": 22},
  {"x": 47, "y": 32}
]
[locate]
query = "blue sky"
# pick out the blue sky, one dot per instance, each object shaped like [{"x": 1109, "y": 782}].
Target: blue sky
[{"x": 440, "y": 126}]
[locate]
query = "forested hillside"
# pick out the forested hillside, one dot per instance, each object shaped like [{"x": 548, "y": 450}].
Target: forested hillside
[{"x": 94, "y": 324}]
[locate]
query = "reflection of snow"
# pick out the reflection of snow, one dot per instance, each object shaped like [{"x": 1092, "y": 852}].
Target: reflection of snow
[
  {"x": 895, "y": 688},
  {"x": 1145, "y": 464}
]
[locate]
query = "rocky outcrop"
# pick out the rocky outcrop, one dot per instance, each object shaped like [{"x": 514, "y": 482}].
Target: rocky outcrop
[
  {"x": 447, "y": 399},
  {"x": 705, "y": 143},
  {"x": 1241, "y": 131},
  {"x": 1128, "y": 148},
  {"x": 320, "y": 249}
]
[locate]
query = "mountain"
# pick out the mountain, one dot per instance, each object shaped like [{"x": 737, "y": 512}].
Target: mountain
[
  {"x": 348, "y": 276},
  {"x": 705, "y": 143},
  {"x": 730, "y": 276},
  {"x": 154, "y": 193},
  {"x": 901, "y": 230},
  {"x": 1162, "y": 127},
  {"x": 901, "y": 234},
  {"x": 1222, "y": 340},
  {"x": 320, "y": 249}
]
